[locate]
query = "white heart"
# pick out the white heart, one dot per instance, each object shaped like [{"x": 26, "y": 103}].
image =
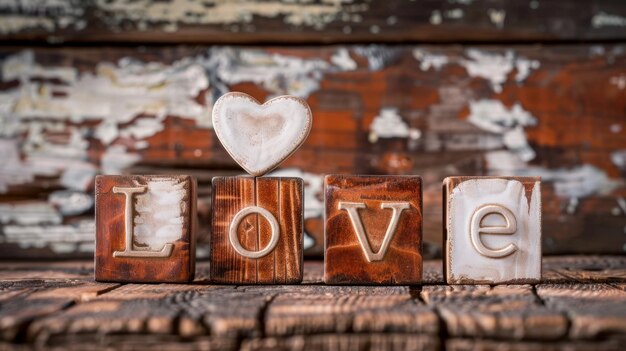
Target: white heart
[{"x": 259, "y": 137}]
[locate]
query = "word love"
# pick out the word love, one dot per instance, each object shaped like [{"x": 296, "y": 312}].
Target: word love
[{"x": 372, "y": 228}]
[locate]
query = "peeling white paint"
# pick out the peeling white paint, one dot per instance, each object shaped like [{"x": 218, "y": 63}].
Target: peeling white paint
[
  {"x": 160, "y": 213},
  {"x": 343, "y": 60},
  {"x": 71, "y": 203},
  {"x": 61, "y": 238},
  {"x": 117, "y": 158},
  {"x": 497, "y": 17},
  {"x": 169, "y": 15},
  {"x": 619, "y": 81},
  {"x": 29, "y": 213},
  {"x": 493, "y": 116},
  {"x": 577, "y": 182},
  {"x": 454, "y": 13},
  {"x": 130, "y": 99},
  {"x": 378, "y": 56},
  {"x": 619, "y": 159},
  {"x": 429, "y": 60},
  {"x": 603, "y": 19},
  {"x": 571, "y": 183},
  {"x": 12, "y": 170},
  {"x": 435, "y": 18},
  {"x": 279, "y": 74},
  {"x": 22, "y": 66},
  {"x": 142, "y": 128},
  {"x": 389, "y": 124},
  {"x": 489, "y": 66},
  {"x": 524, "y": 67},
  {"x": 47, "y": 15}
]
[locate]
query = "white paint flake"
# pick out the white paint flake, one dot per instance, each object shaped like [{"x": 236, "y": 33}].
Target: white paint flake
[
  {"x": 494, "y": 117},
  {"x": 492, "y": 67},
  {"x": 497, "y": 17},
  {"x": 343, "y": 60},
  {"x": 435, "y": 18},
  {"x": 429, "y": 60},
  {"x": 619, "y": 159},
  {"x": 60, "y": 238},
  {"x": 619, "y": 81},
  {"x": 169, "y": 15},
  {"x": 524, "y": 67},
  {"x": 279, "y": 74},
  {"x": 603, "y": 19},
  {"x": 389, "y": 124},
  {"x": 29, "y": 213},
  {"x": 48, "y": 15},
  {"x": 117, "y": 158},
  {"x": 71, "y": 203}
]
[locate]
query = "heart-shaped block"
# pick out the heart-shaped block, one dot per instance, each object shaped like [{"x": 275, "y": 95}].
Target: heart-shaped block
[{"x": 259, "y": 137}]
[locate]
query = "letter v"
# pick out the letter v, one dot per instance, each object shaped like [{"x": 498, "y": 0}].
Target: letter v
[{"x": 352, "y": 209}]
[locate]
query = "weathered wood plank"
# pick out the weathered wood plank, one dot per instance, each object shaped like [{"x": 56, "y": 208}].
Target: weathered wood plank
[
  {"x": 256, "y": 22},
  {"x": 23, "y": 302},
  {"x": 327, "y": 309},
  {"x": 504, "y": 311},
  {"x": 492, "y": 345},
  {"x": 373, "y": 341},
  {"x": 587, "y": 268},
  {"x": 594, "y": 310},
  {"x": 185, "y": 311}
]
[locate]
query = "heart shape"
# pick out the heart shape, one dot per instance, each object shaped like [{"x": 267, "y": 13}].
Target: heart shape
[{"x": 260, "y": 137}]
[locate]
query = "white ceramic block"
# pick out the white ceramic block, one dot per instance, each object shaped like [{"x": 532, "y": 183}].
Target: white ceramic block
[{"x": 493, "y": 229}]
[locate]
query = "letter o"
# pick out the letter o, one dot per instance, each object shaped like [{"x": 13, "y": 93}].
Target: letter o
[{"x": 234, "y": 225}]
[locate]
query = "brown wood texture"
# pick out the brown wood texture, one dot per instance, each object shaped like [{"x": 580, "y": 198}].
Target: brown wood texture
[
  {"x": 179, "y": 265},
  {"x": 344, "y": 259},
  {"x": 457, "y": 108},
  {"x": 283, "y": 198},
  {"x": 188, "y": 21},
  {"x": 56, "y": 305}
]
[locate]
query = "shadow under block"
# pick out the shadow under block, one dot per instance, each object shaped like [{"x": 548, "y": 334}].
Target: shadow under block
[
  {"x": 145, "y": 228},
  {"x": 257, "y": 230},
  {"x": 373, "y": 230},
  {"x": 492, "y": 229}
]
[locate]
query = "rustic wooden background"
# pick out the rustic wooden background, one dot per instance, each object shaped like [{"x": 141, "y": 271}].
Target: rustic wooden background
[{"x": 435, "y": 88}]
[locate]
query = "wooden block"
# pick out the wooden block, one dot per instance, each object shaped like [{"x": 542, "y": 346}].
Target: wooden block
[
  {"x": 265, "y": 217},
  {"x": 492, "y": 229},
  {"x": 145, "y": 228},
  {"x": 373, "y": 229}
]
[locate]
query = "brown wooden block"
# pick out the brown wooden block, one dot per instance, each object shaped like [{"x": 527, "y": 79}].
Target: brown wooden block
[
  {"x": 492, "y": 229},
  {"x": 145, "y": 228},
  {"x": 373, "y": 229},
  {"x": 265, "y": 216}
]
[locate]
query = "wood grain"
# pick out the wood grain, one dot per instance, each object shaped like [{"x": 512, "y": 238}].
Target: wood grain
[
  {"x": 344, "y": 258},
  {"x": 511, "y": 312},
  {"x": 283, "y": 198},
  {"x": 179, "y": 265}
]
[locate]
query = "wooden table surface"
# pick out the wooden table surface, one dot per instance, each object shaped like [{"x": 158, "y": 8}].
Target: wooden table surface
[{"x": 579, "y": 305}]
